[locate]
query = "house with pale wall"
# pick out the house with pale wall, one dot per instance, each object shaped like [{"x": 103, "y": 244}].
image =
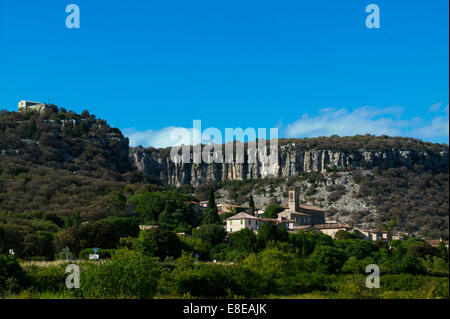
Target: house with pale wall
[
  {"x": 373, "y": 235},
  {"x": 243, "y": 220},
  {"x": 437, "y": 242},
  {"x": 147, "y": 227},
  {"x": 332, "y": 228}
]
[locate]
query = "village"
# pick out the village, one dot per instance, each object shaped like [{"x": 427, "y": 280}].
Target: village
[{"x": 295, "y": 217}]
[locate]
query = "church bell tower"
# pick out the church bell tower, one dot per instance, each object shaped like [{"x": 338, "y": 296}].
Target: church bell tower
[{"x": 294, "y": 200}]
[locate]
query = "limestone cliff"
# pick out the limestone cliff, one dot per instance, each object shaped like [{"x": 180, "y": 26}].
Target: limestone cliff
[{"x": 291, "y": 161}]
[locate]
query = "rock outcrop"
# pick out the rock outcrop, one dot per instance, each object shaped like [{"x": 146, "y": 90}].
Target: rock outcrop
[{"x": 158, "y": 165}]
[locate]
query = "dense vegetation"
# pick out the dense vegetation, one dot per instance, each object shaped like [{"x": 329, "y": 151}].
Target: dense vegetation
[
  {"x": 272, "y": 263},
  {"x": 348, "y": 144},
  {"x": 408, "y": 200}
]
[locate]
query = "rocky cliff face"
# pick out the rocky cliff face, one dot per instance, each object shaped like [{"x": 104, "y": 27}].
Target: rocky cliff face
[{"x": 291, "y": 161}]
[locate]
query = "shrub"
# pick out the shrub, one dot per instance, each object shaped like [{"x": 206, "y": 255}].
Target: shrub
[
  {"x": 212, "y": 234},
  {"x": 50, "y": 278},
  {"x": 127, "y": 275},
  {"x": 276, "y": 269},
  {"x": 358, "y": 248},
  {"x": 202, "y": 281},
  {"x": 327, "y": 259},
  {"x": 270, "y": 231},
  {"x": 158, "y": 242},
  {"x": 195, "y": 246},
  {"x": 309, "y": 282},
  {"x": 211, "y": 280},
  {"x": 12, "y": 276}
]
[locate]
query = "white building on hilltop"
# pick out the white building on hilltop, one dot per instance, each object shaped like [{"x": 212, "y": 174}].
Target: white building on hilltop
[{"x": 25, "y": 106}]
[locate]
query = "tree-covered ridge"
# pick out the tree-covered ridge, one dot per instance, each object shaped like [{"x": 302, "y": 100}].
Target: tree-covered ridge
[
  {"x": 77, "y": 142},
  {"x": 348, "y": 144}
]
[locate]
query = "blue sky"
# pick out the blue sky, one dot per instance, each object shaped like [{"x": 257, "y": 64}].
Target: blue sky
[{"x": 309, "y": 68}]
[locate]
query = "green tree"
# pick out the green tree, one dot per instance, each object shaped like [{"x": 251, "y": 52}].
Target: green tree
[
  {"x": 11, "y": 238},
  {"x": 443, "y": 251},
  {"x": 212, "y": 200},
  {"x": 420, "y": 249},
  {"x": 327, "y": 259},
  {"x": 158, "y": 242},
  {"x": 269, "y": 231},
  {"x": 39, "y": 244},
  {"x": 244, "y": 240},
  {"x": 272, "y": 211},
  {"x": 303, "y": 241},
  {"x": 68, "y": 238},
  {"x": 116, "y": 203},
  {"x": 210, "y": 216},
  {"x": 124, "y": 226},
  {"x": 276, "y": 269},
  {"x": 100, "y": 234},
  {"x": 251, "y": 203},
  {"x": 212, "y": 234},
  {"x": 76, "y": 220},
  {"x": 149, "y": 205},
  {"x": 12, "y": 277},
  {"x": 358, "y": 248},
  {"x": 342, "y": 234}
]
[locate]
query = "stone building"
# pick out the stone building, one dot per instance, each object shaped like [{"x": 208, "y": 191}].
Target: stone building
[
  {"x": 25, "y": 106},
  {"x": 301, "y": 215},
  {"x": 295, "y": 218},
  {"x": 437, "y": 242},
  {"x": 373, "y": 235},
  {"x": 331, "y": 229}
]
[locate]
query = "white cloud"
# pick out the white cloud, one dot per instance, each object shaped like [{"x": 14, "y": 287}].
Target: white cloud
[
  {"x": 370, "y": 120},
  {"x": 344, "y": 123},
  {"x": 435, "y": 107},
  {"x": 437, "y": 128},
  {"x": 166, "y": 137},
  {"x": 328, "y": 121}
]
